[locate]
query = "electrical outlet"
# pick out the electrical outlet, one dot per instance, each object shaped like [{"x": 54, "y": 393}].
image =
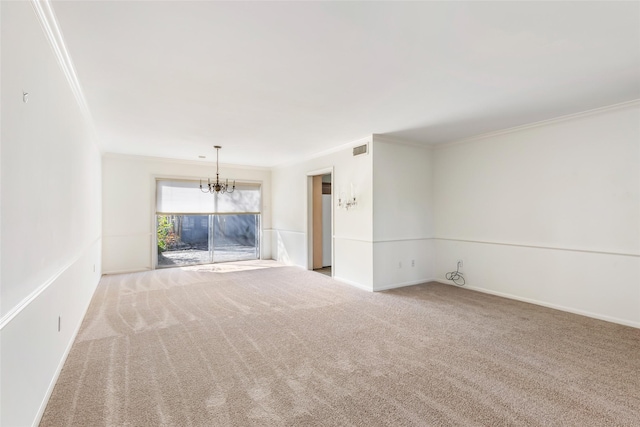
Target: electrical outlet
[{"x": 413, "y": 263}]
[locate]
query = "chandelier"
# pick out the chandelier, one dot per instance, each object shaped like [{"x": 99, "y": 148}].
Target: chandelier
[{"x": 217, "y": 187}]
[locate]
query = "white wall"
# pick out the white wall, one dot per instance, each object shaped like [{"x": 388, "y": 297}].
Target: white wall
[
  {"x": 50, "y": 218},
  {"x": 403, "y": 250},
  {"x": 353, "y": 229},
  {"x": 129, "y": 205},
  {"x": 392, "y": 225},
  {"x": 548, "y": 213}
]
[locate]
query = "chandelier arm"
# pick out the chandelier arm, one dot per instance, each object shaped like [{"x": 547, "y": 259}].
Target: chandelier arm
[{"x": 204, "y": 191}]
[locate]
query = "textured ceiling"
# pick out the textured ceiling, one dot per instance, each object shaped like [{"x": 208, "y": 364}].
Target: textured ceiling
[{"x": 275, "y": 81}]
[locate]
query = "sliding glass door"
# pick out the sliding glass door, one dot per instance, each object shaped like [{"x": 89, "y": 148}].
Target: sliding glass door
[
  {"x": 203, "y": 239},
  {"x": 236, "y": 237},
  {"x": 197, "y": 228}
]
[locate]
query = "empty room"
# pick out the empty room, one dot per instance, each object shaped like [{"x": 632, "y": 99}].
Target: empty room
[{"x": 319, "y": 213}]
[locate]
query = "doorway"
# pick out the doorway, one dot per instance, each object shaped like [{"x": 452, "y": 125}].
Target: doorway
[
  {"x": 203, "y": 239},
  {"x": 195, "y": 227},
  {"x": 321, "y": 221}
]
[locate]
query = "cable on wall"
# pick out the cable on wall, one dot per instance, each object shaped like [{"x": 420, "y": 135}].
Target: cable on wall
[{"x": 455, "y": 276}]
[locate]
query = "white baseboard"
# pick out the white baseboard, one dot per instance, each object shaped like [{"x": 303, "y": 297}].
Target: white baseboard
[
  {"x": 545, "y": 304},
  {"x": 54, "y": 380},
  {"x": 403, "y": 284},
  {"x": 355, "y": 284},
  {"x": 132, "y": 270},
  {"x": 385, "y": 287}
]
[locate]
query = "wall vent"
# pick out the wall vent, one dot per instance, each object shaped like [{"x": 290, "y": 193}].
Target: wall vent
[{"x": 361, "y": 149}]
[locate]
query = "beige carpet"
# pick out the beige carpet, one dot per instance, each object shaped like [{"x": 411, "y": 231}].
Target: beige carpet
[{"x": 229, "y": 346}]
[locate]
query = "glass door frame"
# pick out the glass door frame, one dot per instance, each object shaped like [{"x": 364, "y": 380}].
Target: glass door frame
[
  {"x": 211, "y": 239},
  {"x": 154, "y": 230}
]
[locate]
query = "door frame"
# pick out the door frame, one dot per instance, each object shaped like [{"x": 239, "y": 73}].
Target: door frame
[
  {"x": 153, "y": 236},
  {"x": 309, "y": 214}
]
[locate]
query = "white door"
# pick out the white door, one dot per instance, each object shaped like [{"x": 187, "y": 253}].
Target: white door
[{"x": 326, "y": 230}]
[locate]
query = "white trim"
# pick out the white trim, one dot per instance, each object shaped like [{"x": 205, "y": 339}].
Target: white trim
[
  {"x": 206, "y": 214},
  {"x": 131, "y": 270},
  {"x": 541, "y": 123},
  {"x": 52, "y": 32},
  {"x": 383, "y": 138},
  {"x": 328, "y": 170},
  {"x": 377, "y": 137},
  {"x": 589, "y": 251},
  {"x": 403, "y": 284},
  {"x": 246, "y": 182},
  {"x": 403, "y": 240},
  {"x": 545, "y": 304},
  {"x": 141, "y": 157},
  {"x": 323, "y": 171},
  {"x": 63, "y": 360},
  {"x": 365, "y": 140},
  {"x": 354, "y": 284},
  {"x": 352, "y": 239},
  {"x": 153, "y": 232},
  {"x": 17, "y": 309}
]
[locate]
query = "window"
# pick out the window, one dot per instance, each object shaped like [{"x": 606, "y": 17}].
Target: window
[{"x": 193, "y": 227}]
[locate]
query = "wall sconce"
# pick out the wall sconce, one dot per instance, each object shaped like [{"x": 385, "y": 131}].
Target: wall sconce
[{"x": 349, "y": 203}]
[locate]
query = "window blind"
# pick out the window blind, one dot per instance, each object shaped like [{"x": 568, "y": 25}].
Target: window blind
[{"x": 185, "y": 197}]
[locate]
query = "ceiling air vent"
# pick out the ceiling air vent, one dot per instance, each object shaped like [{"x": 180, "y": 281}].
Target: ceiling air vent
[{"x": 361, "y": 149}]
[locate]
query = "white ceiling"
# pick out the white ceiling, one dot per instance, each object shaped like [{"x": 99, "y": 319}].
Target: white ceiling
[{"x": 275, "y": 81}]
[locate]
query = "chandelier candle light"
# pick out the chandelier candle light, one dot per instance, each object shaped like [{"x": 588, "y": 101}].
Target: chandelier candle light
[{"x": 217, "y": 187}]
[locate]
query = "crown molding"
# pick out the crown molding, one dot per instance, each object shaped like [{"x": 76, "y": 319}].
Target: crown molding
[
  {"x": 206, "y": 163},
  {"x": 391, "y": 140},
  {"x": 365, "y": 140},
  {"x": 52, "y": 32},
  {"x": 547, "y": 122}
]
